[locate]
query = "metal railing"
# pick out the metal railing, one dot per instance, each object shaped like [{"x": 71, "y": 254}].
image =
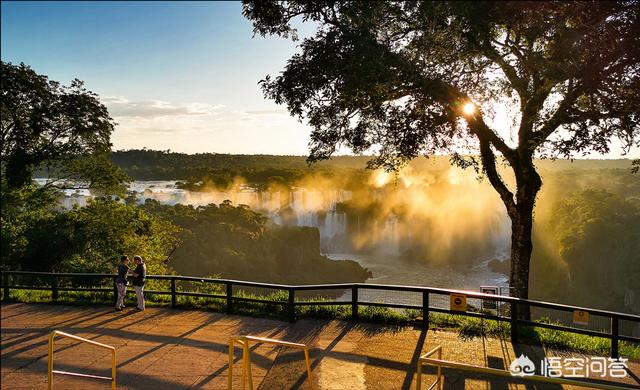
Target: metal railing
[
  {"x": 426, "y": 359},
  {"x": 519, "y": 313},
  {"x": 51, "y": 371},
  {"x": 243, "y": 341}
]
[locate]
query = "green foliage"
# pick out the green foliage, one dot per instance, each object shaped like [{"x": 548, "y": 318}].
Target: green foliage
[
  {"x": 470, "y": 327},
  {"x": 45, "y": 124},
  {"x": 65, "y": 132},
  {"x": 206, "y": 171},
  {"x": 395, "y": 76},
  {"x": 593, "y": 247},
  {"x": 87, "y": 239},
  {"x": 22, "y": 209},
  {"x": 235, "y": 242}
]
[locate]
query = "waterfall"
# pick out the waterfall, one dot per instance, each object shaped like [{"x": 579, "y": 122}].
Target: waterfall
[
  {"x": 501, "y": 234},
  {"x": 335, "y": 224},
  {"x": 390, "y": 236}
]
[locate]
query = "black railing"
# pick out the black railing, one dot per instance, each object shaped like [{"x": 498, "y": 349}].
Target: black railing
[{"x": 518, "y": 312}]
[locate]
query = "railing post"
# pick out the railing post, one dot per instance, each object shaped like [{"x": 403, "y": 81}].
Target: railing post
[
  {"x": 54, "y": 288},
  {"x": 425, "y": 309},
  {"x": 5, "y": 282},
  {"x": 354, "y": 302},
  {"x": 115, "y": 291},
  {"x": 291, "y": 305},
  {"x": 514, "y": 321},
  {"x": 173, "y": 292},
  {"x": 615, "y": 332},
  {"x": 229, "y": 297}
]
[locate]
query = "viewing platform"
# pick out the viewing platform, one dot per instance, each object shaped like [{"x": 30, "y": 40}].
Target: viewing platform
[{"x": 163, "y": 348}]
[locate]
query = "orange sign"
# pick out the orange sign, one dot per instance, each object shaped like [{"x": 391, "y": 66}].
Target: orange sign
[
  {"x": 458, "y": 302},
  {"x": 580, "y": 317}
]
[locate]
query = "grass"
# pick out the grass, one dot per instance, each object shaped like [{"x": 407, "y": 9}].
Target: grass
[{"x": 467, "y": 327}]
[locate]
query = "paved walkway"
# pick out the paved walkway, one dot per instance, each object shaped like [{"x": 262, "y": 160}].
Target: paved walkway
[{"x": 187, "y": 349}]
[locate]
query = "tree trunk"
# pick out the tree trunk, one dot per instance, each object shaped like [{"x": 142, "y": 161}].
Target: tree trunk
[
  {"x": 521, "y": 247},
  {"x": 519, "y": 207},
  {"x": 521, "y": 213}
]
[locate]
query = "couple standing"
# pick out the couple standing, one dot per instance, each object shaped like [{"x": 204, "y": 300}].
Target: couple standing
[{"x": 139, "y": 276}]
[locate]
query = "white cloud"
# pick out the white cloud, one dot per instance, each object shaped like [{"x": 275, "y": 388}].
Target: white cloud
[
  {"x": 122, "y": 107},
  {"x": 200, "y": 127},
  {"x": 267, "y": 112}
]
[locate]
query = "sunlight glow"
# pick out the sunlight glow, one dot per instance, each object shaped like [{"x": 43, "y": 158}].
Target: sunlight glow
[
  {"x": 381, "y": 178},
  {"x": 469, "y": 108}
]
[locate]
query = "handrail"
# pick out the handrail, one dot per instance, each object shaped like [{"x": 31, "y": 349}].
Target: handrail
[
  {"x": 435, "y": 290},
  {"x": 246, "y": 357},
  {"x": 51, "y": 371},
  {"x": 373, "y": 286},
  {"x": 513, "y": 304},
  {"x": 439, "y": 363}
]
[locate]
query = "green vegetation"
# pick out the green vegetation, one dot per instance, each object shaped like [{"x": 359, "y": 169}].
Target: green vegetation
[
  {"x": 237, "y": 243},
  {"x": 205, "y": 171},
  {"x": 89, "y": 239},
  {"x": 63, "y": 130},
  {"x": 588, "y": 247}
]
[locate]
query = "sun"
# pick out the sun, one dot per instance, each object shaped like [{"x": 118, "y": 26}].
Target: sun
[{"x": 469, "y": 108}]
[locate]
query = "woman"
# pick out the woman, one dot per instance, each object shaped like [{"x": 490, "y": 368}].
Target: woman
[{"x": 121, "y": 281}]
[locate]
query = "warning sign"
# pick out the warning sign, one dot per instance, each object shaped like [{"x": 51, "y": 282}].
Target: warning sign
[
  {"x": 580, "y": 317},
  {"x": 489, "y": 304},
  {"x": 458, "y": 302}
]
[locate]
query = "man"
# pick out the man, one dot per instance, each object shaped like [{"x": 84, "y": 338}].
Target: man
[
  {"x": 121, "y": 281},
  {"x": 139, "y": 276}
]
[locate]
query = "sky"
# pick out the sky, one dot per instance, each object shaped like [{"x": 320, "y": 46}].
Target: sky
[
  {"x": 174, "y": 75},
  {"x": 180, "y": 76}
]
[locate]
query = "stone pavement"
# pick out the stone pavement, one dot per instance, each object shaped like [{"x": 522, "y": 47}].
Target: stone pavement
[{"x": 187, "y": 349}]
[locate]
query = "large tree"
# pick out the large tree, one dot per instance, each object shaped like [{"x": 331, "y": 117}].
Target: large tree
[
  {"x": 45, "y": 125},
  {"x": 404, "y": 79},
  {"x": 61, "y": 132}
]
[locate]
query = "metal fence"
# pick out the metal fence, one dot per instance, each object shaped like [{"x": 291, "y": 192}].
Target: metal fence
[{"x": 518, "y": 312}]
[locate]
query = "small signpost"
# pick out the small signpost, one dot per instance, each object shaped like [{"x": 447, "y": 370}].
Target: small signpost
[
  {"x": 458, "y": 302},
  {"x": 489, "y": 304},
  {"x": 580, "y": 317}
]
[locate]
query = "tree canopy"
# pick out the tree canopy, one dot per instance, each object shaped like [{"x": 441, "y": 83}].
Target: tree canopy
[
  {"x": 64, "y": 128},
  {"x": 404, "y": 79},
  {"x": 396, "y": 74}
]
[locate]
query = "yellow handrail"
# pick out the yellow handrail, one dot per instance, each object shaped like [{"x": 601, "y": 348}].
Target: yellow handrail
[
  {"x": 246, "y": 357},
  {"x": 439, "y": 363},
  {"x": 51, "y": 371}
]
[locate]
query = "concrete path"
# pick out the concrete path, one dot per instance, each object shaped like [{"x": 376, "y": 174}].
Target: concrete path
[{"x": 187, "y": 349}]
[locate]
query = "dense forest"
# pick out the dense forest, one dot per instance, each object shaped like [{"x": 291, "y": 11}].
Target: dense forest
[{"x": 210, "y": 170}]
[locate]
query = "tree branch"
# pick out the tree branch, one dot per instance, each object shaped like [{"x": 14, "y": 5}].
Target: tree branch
[
  {"x": 557, "y": 119},
  {"x": 489, "y": 166}
]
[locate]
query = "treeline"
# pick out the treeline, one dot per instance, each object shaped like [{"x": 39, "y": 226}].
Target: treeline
[{"x": 204, "y": 170}]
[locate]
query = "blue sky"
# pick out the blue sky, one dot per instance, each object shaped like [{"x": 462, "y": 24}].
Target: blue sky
[
  {"x": 180, "y": 76},
  {"x": 174, "y": 75}
]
